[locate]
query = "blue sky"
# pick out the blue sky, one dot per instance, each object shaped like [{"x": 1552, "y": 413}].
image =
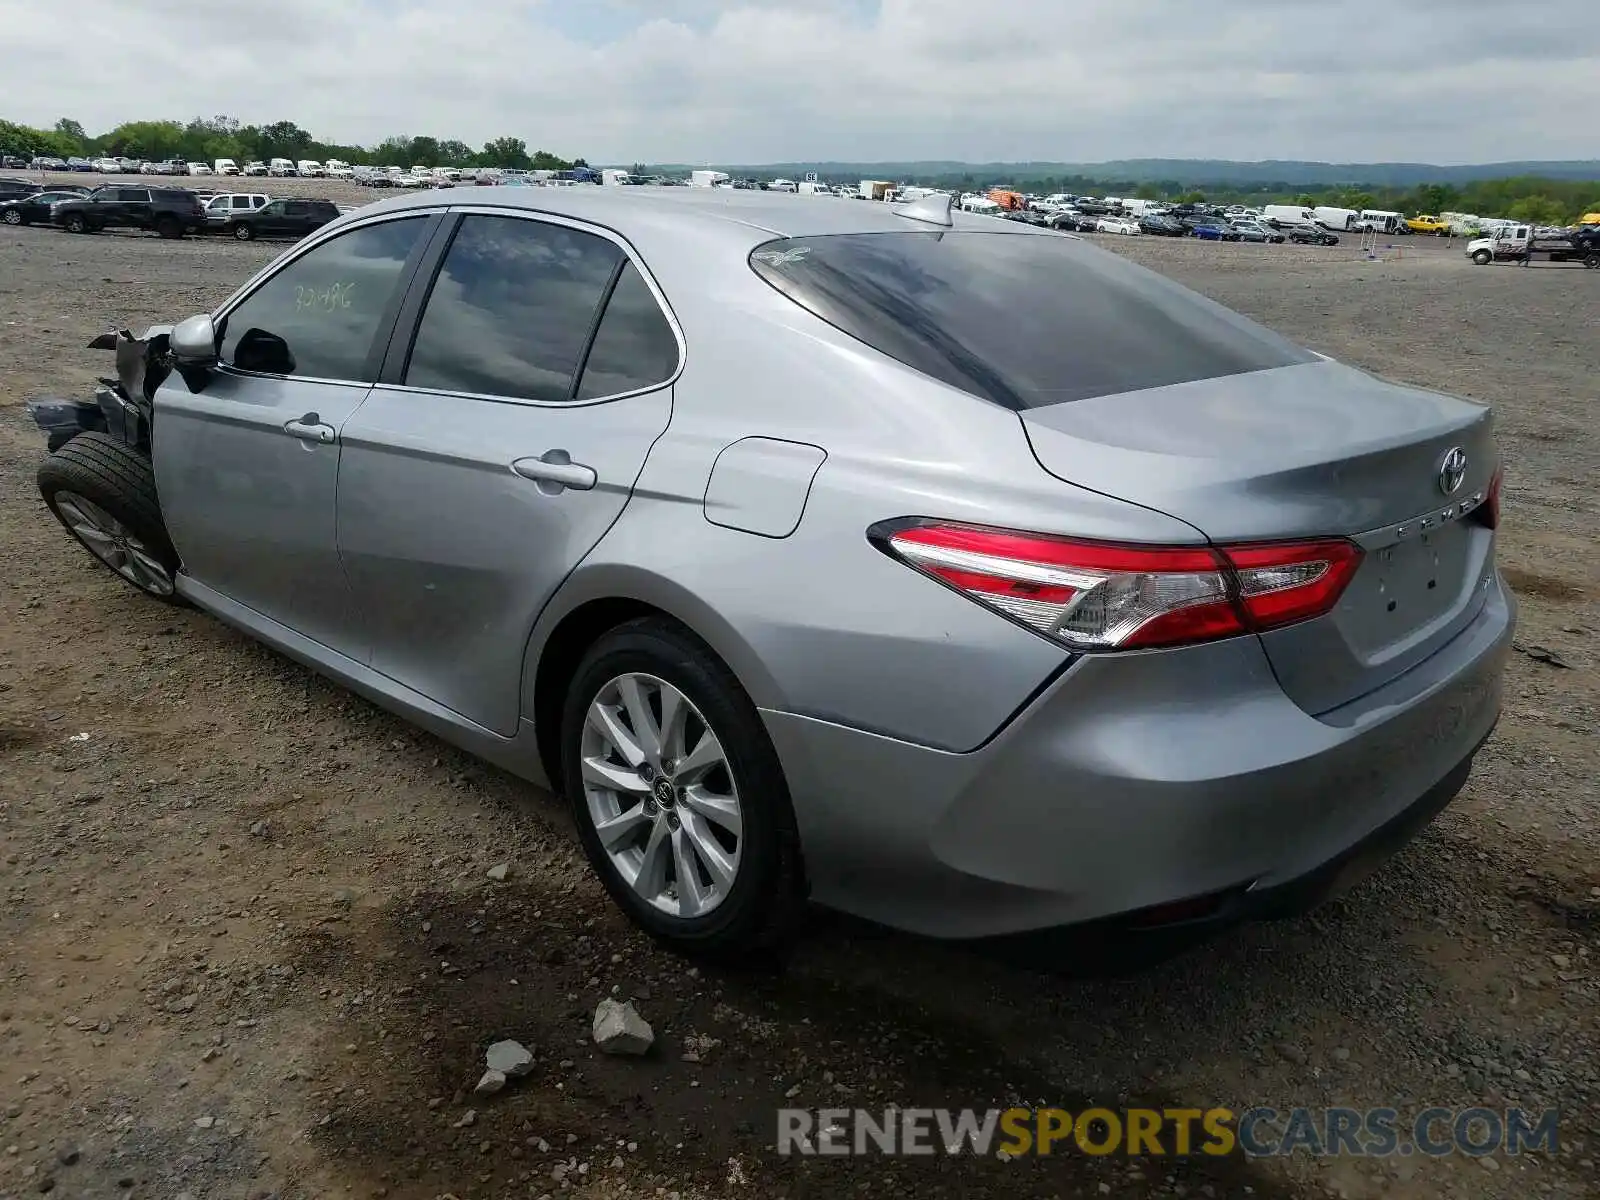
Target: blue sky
[{"x": 749, "y": 81}]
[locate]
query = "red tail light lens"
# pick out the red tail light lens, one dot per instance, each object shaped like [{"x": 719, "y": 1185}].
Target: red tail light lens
[
  {"x": 1103, "y": 596},
  {"x": 1488, "y": 513}
]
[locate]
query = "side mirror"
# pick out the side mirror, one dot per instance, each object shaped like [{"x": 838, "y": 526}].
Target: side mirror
[
  {"x": 194, "y": 341},
  {"x": 194, "y": 350}
]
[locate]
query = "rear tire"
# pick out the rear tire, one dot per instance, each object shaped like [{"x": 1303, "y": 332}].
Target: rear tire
[
  {"x": 755, "y": 914},
  {"x": 1592, "y": 259},
  {"x": 75, "y": 223},
  {"x": 104, "y": 493},
  {"x": 169, "y": 229},
  {"x": 243, "y": 232}
]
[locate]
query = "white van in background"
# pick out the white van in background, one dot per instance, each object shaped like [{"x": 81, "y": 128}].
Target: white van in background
[
  {"x": 309, "y": 168},
  {"x": 225, "y": 166},
  {"x": 1288, "y": 216},
  {"x": 339, "y": 169},
  {"x": 1340, "y": 220}
]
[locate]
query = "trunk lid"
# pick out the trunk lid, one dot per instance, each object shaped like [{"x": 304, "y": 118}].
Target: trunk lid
[{"x": 1309, "y": 450}]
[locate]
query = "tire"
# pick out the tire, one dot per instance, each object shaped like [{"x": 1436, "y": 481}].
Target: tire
[
  {"x": 1482, "y": 257},
  {"x": 243, "y": 232},
  {"x": 169, "y": 229},
  {"x": 75, "y": 223},
  {"x": 104, "y": 493},
  {"x": 757, "y": 913},
  {"x": 13, "y": 216},
  {"x": 1592, "y": 259}
]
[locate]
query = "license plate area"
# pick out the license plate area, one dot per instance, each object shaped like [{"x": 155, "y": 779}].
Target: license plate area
[{"x": 1408, "y": 585}]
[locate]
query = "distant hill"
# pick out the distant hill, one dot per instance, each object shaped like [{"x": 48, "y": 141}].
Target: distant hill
[{"x": 1196, "y": 172}]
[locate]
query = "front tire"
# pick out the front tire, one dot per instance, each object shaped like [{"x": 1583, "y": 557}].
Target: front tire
[
  {"x": 678, "y": 795},
  {"x": 76, "y": 224},
  {"x": 104, "y": 493},
  {"x": 169, "y": 229},
  {"x": 12, "y": 217},
  {"x": 243, "y": 232},
  {"x": 1482, "y": 258}
]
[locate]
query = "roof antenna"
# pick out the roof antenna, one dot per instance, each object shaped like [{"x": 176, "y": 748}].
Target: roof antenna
[{"x": 934, "y": 209}]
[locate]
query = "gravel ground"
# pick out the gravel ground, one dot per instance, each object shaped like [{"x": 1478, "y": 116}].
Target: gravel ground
[{"x": 249, "y": 946}]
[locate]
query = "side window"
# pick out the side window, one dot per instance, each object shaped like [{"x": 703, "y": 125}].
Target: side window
[
  {"x": 138, "y": 195},
  {"x": 634, "y": 347},
  {"x": 296, "y": 208},
  {"x": 318, "y": 315},
  {"x": 511, "y": 309}
]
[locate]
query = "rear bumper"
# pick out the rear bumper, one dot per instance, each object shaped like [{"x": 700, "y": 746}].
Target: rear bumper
[{"x": 1136, "y": 782}]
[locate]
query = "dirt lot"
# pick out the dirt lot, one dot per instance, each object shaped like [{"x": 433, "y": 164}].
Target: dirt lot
[{"x": 249, "y": 948}]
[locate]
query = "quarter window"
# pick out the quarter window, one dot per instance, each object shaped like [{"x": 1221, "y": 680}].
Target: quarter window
[
  {"x": 317, "y": 317},
  {"x": 512, "y": 309},
  {"x": 634, "y": 348}
]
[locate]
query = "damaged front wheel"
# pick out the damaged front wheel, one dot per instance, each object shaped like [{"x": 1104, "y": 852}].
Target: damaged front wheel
[{"x": 103, "y": 492}]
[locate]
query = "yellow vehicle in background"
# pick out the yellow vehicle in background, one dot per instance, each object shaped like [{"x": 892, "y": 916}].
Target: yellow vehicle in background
[
  {"x": 1589, "y": 219},
  {"x": 1425, "y": 223}
]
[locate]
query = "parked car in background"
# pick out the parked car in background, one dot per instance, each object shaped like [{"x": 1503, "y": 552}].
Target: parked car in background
[
  {"x": 255, "y": 169},
  {"x": 200, "y": 168},
  {"x": 226, "y": 205},
  {"x": 225, "y": 166},
  {"x": 1254, "y": 231},
  {"x": 12, "y": 162},
  {"x": 47, "y": 163},
  {"x": 1428, "y": 223},
  {"x": 1121, "y": 225},
  {"x": 78, "y": 164},
  {"x": 33, "y": 208},
  {"x": 1162, "y": 226},
  {"x": 1313, "y": 235},
  {"x": 170, "y": 212},
  {"x": 108, "y": 166},
  {"x": 282, "y": 218},
  {"x": 18, "y": 187},
  {"x": 1216, "y": 230}
]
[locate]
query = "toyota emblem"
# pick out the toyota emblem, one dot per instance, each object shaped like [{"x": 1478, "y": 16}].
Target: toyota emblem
[{"x": 1452, "y": 470}]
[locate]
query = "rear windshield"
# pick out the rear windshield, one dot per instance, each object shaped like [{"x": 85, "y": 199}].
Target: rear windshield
[{"x": 1022, "y": 320}]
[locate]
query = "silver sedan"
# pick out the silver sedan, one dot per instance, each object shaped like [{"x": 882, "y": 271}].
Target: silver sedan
[{"x": 951, "y": 572}]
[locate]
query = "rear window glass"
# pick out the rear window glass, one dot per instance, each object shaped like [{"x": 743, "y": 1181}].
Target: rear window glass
[{"x": 1022, "y": 320}]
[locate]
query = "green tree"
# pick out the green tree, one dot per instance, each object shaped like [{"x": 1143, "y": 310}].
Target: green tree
[
  {"x": 638, "y": 170},
  {"x": 453, "y": 153},
  {"x": 505, "y": 152},
  {"x": 72, "y": 133},
  {"x": 1538, "y": 210},
  {"x": 543, "y": 160},
  {"x": 1305, "y": 200},
  {"x": 423, "y": 152},
  {"x": 1147, "y": 191}
]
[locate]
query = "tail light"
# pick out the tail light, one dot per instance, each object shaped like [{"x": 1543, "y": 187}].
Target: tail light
[
  {"x": 1105, "y": 596},
  {"x": 1488, "y": 513}
]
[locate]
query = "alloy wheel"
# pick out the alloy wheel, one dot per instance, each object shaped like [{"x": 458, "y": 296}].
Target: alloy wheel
[
  {"x": 661, "y": 795},
  {"x": 113, "y": 543}
]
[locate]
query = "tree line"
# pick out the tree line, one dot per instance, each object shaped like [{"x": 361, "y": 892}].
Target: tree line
[{"x": 205, "y": 139}]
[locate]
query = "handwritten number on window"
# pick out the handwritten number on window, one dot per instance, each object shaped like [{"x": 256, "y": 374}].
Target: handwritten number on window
[{"x": 323, "y": 300}]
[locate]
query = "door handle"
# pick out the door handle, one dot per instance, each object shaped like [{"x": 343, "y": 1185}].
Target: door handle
[
  {"x": 310, "y": 428},
  {"x": 554, "y": 471}
]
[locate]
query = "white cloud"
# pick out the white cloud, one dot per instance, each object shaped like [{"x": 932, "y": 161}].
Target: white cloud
[{"x": 749, "y": 81}]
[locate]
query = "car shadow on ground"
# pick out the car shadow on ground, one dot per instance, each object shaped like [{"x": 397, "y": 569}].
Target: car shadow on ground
[{"x": 427, "y": 984}]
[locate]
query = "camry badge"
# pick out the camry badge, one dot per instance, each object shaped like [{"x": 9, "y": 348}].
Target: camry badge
[{"x": 1452, "y": 470}]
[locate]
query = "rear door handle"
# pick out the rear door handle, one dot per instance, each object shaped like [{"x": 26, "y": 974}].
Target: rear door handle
[
  {"x": 310, "y": 428},
  {"x": 555, "y": 471}
]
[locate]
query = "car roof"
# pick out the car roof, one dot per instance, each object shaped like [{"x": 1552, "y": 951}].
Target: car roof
[{"x": 741, "y": 219}]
